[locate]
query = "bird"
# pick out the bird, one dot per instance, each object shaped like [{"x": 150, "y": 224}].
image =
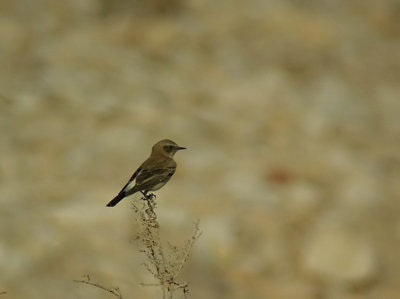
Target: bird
[{"x": 153, "y": 173}]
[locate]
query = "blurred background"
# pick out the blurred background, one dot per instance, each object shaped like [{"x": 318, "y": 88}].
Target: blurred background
[{"x": 291, "y": 114}]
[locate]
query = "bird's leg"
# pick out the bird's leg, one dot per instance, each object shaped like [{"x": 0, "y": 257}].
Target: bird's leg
[
  {"x": 149, "y": 198},
  {"x": 145, "y": 197}
]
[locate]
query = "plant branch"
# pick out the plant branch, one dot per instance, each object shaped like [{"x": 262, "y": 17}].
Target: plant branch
[
  {"x": 115, "y": 291},
  {"x": 164, "y": 265}
]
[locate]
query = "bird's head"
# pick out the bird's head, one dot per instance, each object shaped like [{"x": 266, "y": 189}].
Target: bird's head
[{"x": 166, "y": 147}]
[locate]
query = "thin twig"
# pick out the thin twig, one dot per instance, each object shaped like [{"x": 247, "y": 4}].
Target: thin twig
[
  {"x": 149, "y": 269},
  {"x": 165, "y": 265},
  {"x": 115, "y": 291},
  {"x": 197, "y": 233}
]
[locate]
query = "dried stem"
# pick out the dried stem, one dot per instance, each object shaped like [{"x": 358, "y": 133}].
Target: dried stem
[
  {"x": 164, "y": 265},
  {"x": 196, "y": 234},
  {"x": 115, "y": 291}
]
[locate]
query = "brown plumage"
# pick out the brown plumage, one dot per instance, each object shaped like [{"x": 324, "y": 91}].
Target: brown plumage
[{"x": 154, "y": 173}]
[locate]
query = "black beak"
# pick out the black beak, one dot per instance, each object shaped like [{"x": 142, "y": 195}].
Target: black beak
[{"x": 181, "y": 148}]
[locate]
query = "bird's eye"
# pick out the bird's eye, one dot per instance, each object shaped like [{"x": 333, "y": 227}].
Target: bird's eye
[{"x": 171, "y": 147}]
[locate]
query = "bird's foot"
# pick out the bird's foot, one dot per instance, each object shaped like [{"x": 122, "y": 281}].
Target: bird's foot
[{"x": 149, "y": 198}]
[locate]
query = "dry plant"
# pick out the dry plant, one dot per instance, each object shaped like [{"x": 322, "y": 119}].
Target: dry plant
[
  {"x": 165, "y": 263},
  {"x": 87, "y": 280},
  {"x": 3, "y": 292}
]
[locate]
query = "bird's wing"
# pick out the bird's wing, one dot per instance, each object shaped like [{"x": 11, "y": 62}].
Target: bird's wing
[
  {"x": 151, "y": 177},
  {"x": 130, "y": 184},
  {"x": 152, "y": 172}
]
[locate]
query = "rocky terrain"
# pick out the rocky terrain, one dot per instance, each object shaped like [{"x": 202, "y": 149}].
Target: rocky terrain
[{"x": 291, "y": 114}]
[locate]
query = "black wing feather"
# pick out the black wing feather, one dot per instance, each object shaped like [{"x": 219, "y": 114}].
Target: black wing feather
[{"x": 122, "y": 193}]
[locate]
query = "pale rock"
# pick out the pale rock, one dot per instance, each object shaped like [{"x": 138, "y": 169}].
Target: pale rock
[
  {"x": 218, "y": 242},
  {"x": 362, "y": 191},
  {"x": 301, "y": 200},
  {"x": 337, "y": 256},
  {"x": 14, "y": 261}
]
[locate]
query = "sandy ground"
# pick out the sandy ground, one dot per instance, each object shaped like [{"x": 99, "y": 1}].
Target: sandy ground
[{"x": 291, "y": 114}]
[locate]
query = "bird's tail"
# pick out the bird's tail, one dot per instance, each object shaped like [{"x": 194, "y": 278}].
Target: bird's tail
[{"x": 116, "y": 200}]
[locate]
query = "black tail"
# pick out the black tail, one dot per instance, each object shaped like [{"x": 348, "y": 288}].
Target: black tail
[{"x": 116, "y": 200}]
